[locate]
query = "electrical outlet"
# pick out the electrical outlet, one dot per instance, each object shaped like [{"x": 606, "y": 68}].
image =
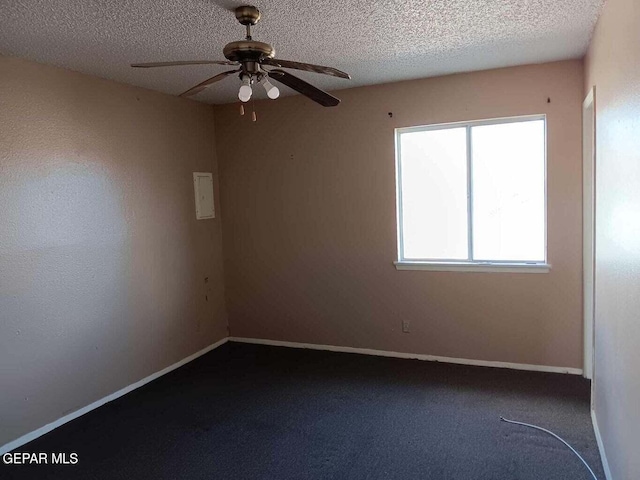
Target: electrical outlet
[{"x": 405, "y": 326}]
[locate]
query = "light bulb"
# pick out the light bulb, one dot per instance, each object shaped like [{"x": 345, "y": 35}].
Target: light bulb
[
  {"x": 245, "y": 90},
  {"x": 272, "y": 91},
  {"x": 245, "y": 93}
]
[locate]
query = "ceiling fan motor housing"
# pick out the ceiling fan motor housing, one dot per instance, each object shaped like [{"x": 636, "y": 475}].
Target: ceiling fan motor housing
[{"x": 248, "y": 51}]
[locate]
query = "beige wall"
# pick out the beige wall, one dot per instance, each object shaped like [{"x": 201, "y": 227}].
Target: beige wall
[
  {"x": 102, "y": 262},
  {"x": 613, "y": 66},
  {"x": 308, "y": 198}
]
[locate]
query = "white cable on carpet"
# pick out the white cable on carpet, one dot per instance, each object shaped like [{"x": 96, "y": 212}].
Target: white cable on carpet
[{"x": 556, "y": 436}]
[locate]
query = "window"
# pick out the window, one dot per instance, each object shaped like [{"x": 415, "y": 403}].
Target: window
[{"x": 471, "y": 196}]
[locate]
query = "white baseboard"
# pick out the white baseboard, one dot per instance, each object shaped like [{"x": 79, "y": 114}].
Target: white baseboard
[
  {"x": 18, "y": 442},
  {"x": 416, "y": 356},
  {"x": 603, "y": 455}
]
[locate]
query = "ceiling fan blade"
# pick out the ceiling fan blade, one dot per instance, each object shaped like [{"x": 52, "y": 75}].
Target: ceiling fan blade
[
  {"x": 275, "y": 62},
  {"x": 306, "y": 89},
  {"x": 186, "y": 62},
  {"x": 201, "y": 86}
]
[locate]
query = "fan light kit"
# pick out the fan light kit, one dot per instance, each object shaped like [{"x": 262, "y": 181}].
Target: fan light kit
[{"x": 252, "y": 57}]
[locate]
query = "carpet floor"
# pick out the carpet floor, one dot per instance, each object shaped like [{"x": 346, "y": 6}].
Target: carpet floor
[{"x": 258, "y": 412}]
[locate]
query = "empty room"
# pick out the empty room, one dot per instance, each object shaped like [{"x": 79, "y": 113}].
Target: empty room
[{"x": 320, "y": 240}]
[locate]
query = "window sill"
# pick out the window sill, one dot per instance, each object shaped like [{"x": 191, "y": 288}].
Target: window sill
[{"x": 473, "y": 267}]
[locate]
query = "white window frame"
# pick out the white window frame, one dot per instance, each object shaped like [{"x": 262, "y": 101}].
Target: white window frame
[{"x": 467, "y": 265}]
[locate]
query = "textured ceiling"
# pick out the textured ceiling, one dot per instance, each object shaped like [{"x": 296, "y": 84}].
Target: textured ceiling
[{"x": 376, "y": 41}]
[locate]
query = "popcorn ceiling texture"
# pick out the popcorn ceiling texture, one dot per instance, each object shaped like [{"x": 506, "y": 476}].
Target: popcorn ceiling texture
[{"x": 376, "y": 41}]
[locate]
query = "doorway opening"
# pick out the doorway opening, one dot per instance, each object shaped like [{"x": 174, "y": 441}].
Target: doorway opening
[{"x": 588, "y": 227}]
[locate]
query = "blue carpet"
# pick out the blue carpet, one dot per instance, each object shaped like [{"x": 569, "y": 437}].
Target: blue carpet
[{"x": 257, "y": 412}]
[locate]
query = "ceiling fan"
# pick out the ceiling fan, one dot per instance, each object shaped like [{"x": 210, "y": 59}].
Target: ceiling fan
[{"x": 252, "y": 57}]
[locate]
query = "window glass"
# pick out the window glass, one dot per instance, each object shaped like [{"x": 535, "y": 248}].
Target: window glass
[
  {"x": 434, "y": 194},
  {"x": 508, "y": 191}
]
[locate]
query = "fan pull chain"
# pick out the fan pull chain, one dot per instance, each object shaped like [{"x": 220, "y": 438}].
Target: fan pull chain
[
  {"x": 254, "y": 118},
  {"x": 241, "y": 109}
]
